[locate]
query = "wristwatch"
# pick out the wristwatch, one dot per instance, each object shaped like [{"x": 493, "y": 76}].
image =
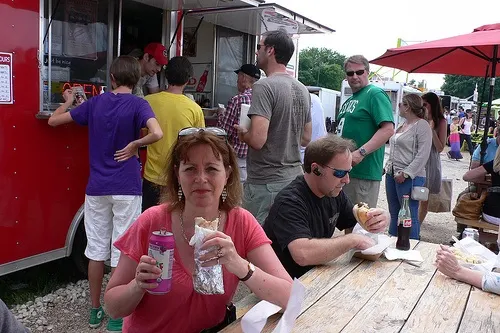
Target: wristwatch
[
  {"x": 405, "y": 175},
  {"x": 362, "y": 151},
  {"x": 251, "y": 269}
]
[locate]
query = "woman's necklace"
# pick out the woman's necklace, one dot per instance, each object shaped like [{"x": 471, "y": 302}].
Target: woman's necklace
[{"x": 182, "y": 225}]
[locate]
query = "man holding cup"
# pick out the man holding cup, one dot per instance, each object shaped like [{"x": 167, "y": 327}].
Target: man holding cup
[
  {"x": 248, "y": 74},
  {"x": 280, "y": 123}
]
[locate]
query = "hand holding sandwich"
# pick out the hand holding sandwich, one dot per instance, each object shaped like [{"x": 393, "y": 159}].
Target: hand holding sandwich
[{"x": 374, "y": 220}]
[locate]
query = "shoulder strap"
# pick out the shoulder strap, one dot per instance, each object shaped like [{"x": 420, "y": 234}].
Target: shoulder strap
[{"x": 415, "y": 139}]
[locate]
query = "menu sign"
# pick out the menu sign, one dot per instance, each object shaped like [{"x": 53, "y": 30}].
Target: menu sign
[
  {"x": 6, "y": 95},
  {"x": 80, "y": 29}
]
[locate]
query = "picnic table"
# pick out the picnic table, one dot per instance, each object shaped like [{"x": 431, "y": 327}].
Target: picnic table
[{"x": 387, "y": 296}]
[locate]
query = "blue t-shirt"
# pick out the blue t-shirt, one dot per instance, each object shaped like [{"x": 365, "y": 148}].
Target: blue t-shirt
[
  {"x": 491, "y": 150},
  {"x": 114, "y": 120}
]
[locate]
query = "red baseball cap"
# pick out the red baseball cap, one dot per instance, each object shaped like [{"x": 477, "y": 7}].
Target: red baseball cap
[{"x": 157, "y": 51}]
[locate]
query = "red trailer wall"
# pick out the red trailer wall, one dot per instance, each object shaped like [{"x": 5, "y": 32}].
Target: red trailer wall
[{"x": 43, "y": 170}]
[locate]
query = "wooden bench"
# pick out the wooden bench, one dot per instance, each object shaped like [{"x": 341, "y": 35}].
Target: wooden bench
[{"x": 487, "y": 231}]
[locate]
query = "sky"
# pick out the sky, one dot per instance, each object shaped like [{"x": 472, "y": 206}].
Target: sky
[{"x": 371, "y": 27}]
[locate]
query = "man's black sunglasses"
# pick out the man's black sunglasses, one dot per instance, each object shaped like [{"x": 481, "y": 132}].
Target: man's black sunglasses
[
  {"x": 338, "y": 173},
  {"x": 358, "y": 73}
]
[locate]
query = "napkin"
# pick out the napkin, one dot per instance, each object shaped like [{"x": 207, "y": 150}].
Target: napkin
[
  {"x": 244, "y": 120},
  {"x": 410, "y": 255},
  {"x": 255, "y": 319}
]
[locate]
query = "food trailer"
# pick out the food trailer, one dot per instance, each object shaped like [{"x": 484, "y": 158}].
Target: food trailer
[{"x": 51, "y": 45}]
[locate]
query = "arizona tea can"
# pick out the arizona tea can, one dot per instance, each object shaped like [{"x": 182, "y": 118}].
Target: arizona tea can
[
  {"x": 471, "y": 232},
  {"x": 161, "y": 248}
]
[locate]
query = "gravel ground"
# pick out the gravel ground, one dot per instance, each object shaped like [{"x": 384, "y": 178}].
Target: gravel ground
[{"x": 67, "y": 309}]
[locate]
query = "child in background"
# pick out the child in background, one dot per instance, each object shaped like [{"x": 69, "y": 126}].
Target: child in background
[{"x": 454, "y": 139}]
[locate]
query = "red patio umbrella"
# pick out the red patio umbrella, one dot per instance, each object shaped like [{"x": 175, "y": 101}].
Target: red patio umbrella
[{"x": 474, "y": 54}]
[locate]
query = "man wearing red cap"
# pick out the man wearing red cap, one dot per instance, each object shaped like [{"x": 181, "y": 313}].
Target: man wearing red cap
[{"x": 152, "y": 60}]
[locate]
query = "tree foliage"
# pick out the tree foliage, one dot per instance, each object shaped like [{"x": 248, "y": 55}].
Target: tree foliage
[
  {"x": 463, "y": 86},
  {"x": 321, "y": 67}
]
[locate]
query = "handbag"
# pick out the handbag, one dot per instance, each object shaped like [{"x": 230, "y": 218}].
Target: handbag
[
  {"x": 441, "y": 202},
  {"x": 228, "y": 319},
  {"x": 419, "y": 193},
  {"x": 469, "y": 206}
]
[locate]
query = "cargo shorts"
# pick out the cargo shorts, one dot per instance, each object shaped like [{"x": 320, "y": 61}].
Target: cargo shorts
[
  {"x": 258, "y": 198},
  {"x": 107, "y": 217}
]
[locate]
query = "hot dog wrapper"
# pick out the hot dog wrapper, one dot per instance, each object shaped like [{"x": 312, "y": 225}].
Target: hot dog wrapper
[
  {"x": 489, "y": 259},
  {"x": 373, "y": 253},
  {"x": 206, "y": 280}
]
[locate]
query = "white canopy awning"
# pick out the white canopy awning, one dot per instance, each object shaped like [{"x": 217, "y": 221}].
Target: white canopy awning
[
  {"x": 257, "y": 20},
  {"x": 192, "y": 4}
]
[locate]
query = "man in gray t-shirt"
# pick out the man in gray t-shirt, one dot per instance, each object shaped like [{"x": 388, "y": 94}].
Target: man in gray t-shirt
[{"x": 280, "y": 124}]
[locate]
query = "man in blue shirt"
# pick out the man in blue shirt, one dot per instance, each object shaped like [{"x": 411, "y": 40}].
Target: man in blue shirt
[
  {"x": 491, "y": 149},
  {"x": 461, "y": 113}
]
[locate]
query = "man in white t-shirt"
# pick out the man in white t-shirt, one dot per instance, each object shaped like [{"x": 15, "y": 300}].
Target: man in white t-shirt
[
  {"x": 152, "y": 61},
  {"x": 318, "y": 122}
]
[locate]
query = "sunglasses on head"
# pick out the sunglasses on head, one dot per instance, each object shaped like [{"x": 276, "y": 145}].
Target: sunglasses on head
[
  {"x": 337, "y": 172},
  {"x": 358, "y": 73},
  {"x": 193, "y": 130}
]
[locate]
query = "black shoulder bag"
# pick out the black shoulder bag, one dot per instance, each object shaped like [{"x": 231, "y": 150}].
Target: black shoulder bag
[{"x": 228, "y": 319}]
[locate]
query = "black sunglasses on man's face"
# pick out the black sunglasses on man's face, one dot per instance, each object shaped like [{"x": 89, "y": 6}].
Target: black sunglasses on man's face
[{"x": 358, "y": 73}]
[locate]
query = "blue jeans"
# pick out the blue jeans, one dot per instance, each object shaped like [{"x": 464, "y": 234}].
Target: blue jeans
[{"x": 395, "y": 194}]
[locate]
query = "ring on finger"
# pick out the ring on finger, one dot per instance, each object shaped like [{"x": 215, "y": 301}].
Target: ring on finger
[{"x": 219, "y": 253}]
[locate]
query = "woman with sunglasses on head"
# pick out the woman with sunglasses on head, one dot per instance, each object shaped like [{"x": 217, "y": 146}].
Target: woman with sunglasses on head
[
  {"x": 409, "y": 151},
  {"x": 437, "y": 122},
  {"x": 202, "y": 181}
]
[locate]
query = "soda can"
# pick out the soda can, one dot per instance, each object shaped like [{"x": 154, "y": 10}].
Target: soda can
[
  {"x": 79, "y": 95},
  {"x": 161, "y": 248},
  {"x": 471, "y": 232}
]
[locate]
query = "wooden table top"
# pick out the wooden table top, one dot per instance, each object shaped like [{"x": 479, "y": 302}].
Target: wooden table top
[{"x": 387, "y": 296}]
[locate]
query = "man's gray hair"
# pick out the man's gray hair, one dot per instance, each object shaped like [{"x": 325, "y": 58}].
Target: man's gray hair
[{"x": 357, "y": 59}]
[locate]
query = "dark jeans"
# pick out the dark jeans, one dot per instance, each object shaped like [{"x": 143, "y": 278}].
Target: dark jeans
[
  {"x": 150, "y": 194},
  {"x": 467, "y": 138}
]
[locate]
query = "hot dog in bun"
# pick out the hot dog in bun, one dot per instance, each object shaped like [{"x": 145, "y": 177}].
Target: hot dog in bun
[{"x": 360, "y": 211}]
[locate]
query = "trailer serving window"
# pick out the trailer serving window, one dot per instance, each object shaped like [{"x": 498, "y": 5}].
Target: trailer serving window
[{"x": 74, "y": 39}]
